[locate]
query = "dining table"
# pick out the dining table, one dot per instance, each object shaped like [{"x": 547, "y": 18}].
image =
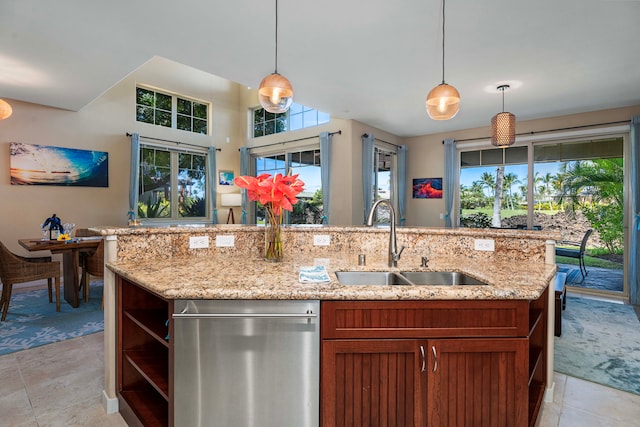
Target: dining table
[{"x": 71, "y": 251}]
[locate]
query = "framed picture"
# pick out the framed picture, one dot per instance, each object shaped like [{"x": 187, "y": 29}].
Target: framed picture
[
  {"x": 46, "y": 165},
  {"x": 427, "y": 188},
  {"x": 226, "y": 178}
]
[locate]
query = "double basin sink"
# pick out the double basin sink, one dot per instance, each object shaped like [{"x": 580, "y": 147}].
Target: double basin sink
[{"x": 406, "y": 278}]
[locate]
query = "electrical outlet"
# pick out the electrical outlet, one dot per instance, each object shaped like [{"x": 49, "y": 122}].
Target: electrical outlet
[
  {"x": 197, "y": 242},
  {"x": 441, "y": 216},
  {"x": 321, "y": 240},
  {"x": 484, "y": 245},
  {"x": 225, "y": 241}
]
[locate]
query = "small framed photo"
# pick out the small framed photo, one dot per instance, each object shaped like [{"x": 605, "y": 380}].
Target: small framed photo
[
  {"x": 427, "y": 188},
  {"x": 225, "y": 178}
]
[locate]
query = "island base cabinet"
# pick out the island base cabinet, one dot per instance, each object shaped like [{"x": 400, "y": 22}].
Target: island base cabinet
[
  {"x": 477, "y": 382},
  {"x": 373, "y": 383}
]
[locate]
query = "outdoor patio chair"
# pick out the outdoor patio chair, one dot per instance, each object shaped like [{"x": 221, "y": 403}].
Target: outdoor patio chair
[
  {"x": 577, "y": 252},
  {"x": 19, "y": 269}
]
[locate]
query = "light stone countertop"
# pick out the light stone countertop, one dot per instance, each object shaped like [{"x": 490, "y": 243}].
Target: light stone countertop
[{"x": 225, "y": 277}]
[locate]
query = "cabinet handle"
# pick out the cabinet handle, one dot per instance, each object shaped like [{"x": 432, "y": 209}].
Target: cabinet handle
[
  {"x": 435, "y": 358},
  {"x": 424, "y": 362}
]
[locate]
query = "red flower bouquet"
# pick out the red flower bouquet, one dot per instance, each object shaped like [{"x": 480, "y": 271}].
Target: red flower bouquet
[{"x": 276, "y": 193}]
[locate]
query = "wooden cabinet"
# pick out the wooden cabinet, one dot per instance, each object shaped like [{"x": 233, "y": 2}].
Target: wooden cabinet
[
  {"x": 144, "y": 356},
  {"x": 435, "y": 363}
]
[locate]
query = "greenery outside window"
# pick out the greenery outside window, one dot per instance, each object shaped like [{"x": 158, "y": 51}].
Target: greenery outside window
[
  {"x": 171, "y": 111},
  {"x": 306, "y": 163},
  {"x": 172, "y": 184},
  {"x": 297, "y": 117}
]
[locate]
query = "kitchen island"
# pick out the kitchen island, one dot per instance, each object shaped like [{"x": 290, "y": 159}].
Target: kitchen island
[{"x": 510, "y": 311}]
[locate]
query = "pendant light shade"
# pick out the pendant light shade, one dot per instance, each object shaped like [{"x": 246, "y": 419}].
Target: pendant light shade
[
  {"x": 5, "y": 109},
  {"x": 503, "y": 125},
  {"x": 443, "y": 102},
  {"x": 275, "y": 92}
]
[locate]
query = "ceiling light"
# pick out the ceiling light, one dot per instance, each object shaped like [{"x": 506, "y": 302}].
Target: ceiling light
[
  {"x": 275, "y": 92},
  {"x": 5, "y": 109},
  {"x": 443, "y": 102},
  {"x": 503, "y": 125}
]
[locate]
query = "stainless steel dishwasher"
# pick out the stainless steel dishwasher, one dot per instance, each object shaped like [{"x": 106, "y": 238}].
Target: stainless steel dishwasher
[{"x": 241, "y": 363}]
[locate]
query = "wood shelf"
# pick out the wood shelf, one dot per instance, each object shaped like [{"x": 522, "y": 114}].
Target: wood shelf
[
  {"x": 145, "y": 405},
  {"x": 535, "y": 358},
  {"x": 152, "y": 321},
  {"x": 153, "y": 367}
]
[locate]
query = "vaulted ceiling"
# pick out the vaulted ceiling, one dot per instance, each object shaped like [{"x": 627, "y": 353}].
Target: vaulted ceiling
[{"x": 369, "y": 60}]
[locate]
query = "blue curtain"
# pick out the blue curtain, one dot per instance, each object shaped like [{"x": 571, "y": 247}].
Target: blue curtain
[
  {"x": 402, "y": 182},
  {"x": 368, "y": 170},
  {"x": 449, "y": 185},
  {"x": 325, "y": 174},
  {"x": 245, "y": 166},
  {"x": 634, "y": 256},
  {"x": 211, "y": 159},
  {"x": 134, "y": 179}
]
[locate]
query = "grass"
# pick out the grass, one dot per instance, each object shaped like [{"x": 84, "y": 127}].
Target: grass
[
  {"x": 505, "y": 213},
  {"x": 590, "y": 261}
]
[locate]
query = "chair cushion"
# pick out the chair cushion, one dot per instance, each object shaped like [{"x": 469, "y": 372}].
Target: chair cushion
[{"x": 571, "y": 253}]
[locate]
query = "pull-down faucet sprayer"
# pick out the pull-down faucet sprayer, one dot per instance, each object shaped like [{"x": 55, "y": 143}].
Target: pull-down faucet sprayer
[{"x": 394, "y": 253}]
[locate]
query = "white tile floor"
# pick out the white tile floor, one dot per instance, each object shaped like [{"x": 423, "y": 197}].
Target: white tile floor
[{"x": 61, "y": 385}]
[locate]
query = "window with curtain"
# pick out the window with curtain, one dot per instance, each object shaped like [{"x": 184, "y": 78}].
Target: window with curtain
[
  {"x": 385, "y": 180},
  {"x": 306, "y": 163},
  {"x": 172, "y": 184}
]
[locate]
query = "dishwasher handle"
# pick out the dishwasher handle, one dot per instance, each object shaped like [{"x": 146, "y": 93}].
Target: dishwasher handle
[{"x": 308, "y": 315}]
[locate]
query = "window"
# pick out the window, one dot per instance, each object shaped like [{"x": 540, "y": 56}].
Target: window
[
  {"x": 172, "y": 184},
  {"x": 297, "y": 117},
  {"x": 385, "y": 178},
  {"x": 171, "y": 111},
  {"x": 306, "y": 163}
]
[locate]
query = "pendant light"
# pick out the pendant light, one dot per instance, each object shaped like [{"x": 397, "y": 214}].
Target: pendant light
[
  {"x": 503, "y": 125},
  {"x": 275, "y": 92},
  {"x": 443, "y": 102},
  {"x": 5, "y": 109}
]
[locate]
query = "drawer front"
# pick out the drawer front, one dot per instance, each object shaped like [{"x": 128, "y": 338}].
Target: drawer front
[{"x": 424, "y": 319}]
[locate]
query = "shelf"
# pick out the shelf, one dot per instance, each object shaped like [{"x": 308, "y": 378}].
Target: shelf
[
  {"x": 536, "y": 393},
  {"x": 535, "y": 316},
  {"x": 153, "y": 321},
  {"x": 153, "y": 367},
  {"x": 535, "y": 356},
  {"x": 146, "y": 406}
]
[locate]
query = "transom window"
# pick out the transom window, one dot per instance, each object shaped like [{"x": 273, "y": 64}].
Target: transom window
[
  {"x": 297, "y": 117},
  {"x": 171, "y": 111}
]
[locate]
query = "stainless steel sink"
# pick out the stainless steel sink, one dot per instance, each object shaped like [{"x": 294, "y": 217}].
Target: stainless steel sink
[
  {"x": 442, "y": 278},
  {"x": 371, "y": 278},
  {"x": 407, "y": 278}
]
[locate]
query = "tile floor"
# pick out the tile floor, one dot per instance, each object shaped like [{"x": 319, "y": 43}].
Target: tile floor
[{"x": 61, "y": 385}]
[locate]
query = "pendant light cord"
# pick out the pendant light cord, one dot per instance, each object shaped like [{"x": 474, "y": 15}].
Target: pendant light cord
[
  {"x": 442, "y": 41},
  {"x": 276, "y": 70}
]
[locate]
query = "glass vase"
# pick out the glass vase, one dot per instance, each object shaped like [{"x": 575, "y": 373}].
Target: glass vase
[{"x": 273, "y": 235}]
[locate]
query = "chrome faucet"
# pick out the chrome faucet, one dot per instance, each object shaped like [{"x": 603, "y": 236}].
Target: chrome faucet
[{"x": 394, "y": 253}]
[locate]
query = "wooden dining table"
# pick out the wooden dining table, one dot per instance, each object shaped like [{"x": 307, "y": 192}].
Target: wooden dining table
[{"x": 70, "y": 251}]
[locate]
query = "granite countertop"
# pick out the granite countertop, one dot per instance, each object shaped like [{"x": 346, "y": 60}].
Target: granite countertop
[{"x": 224, "y": 277}]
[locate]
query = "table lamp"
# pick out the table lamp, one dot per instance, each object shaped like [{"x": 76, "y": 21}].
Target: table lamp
[{"x": 231, "y": 199}]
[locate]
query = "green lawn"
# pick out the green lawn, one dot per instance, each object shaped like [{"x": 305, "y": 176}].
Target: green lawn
[
  {"x": 590, "y": 262},
  {"x": 505, "y": 213}
]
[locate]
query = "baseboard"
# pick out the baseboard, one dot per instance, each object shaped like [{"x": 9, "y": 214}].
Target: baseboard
[
  {"x": 110, "y": 403},
  {"x": 549, "y": 392}
]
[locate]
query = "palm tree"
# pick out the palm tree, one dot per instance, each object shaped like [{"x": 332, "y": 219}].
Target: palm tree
[
  {"x": 487, "y": 181},
  {"x": 510, "y": 179},
  {"x": 497, "y": 198}
]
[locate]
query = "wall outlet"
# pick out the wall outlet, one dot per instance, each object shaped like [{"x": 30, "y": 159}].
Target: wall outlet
[
  {"x": 197, "y": 242},
  {"x": 321, "y": 240},
  {"x": 441, "y": 216},
  {"x": 225, "y": 241},
  {"x": 484, "y": 245}
]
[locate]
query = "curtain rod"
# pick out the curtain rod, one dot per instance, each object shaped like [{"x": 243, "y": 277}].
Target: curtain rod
[
  {"x": 548, "y": 130},
  {"x": 173, "y": 142},
  {"x": 339, "y": 132},
  {"x": 382, "y": 140}
]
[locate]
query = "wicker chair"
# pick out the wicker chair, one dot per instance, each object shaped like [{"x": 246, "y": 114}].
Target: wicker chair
[
  {"x": 18, "y": 269},
  {"x": 92, "y": 264}
]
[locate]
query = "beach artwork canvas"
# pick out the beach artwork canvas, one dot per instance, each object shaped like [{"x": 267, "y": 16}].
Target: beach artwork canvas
[
  {"x": 33, "y": 164},
  {"x": 427, "y": 188}
]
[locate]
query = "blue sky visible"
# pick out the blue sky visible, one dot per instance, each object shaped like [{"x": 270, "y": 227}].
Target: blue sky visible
[{"x": 469, "y": 175}]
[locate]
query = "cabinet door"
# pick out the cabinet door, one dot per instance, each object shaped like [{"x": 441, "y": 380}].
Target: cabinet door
[
  {"x": 478, "y": 382},
  {"x": 373, "y": 383}
]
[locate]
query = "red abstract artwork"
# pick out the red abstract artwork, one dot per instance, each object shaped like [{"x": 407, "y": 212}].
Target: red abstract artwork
[{"x": 427, "y": 188}]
